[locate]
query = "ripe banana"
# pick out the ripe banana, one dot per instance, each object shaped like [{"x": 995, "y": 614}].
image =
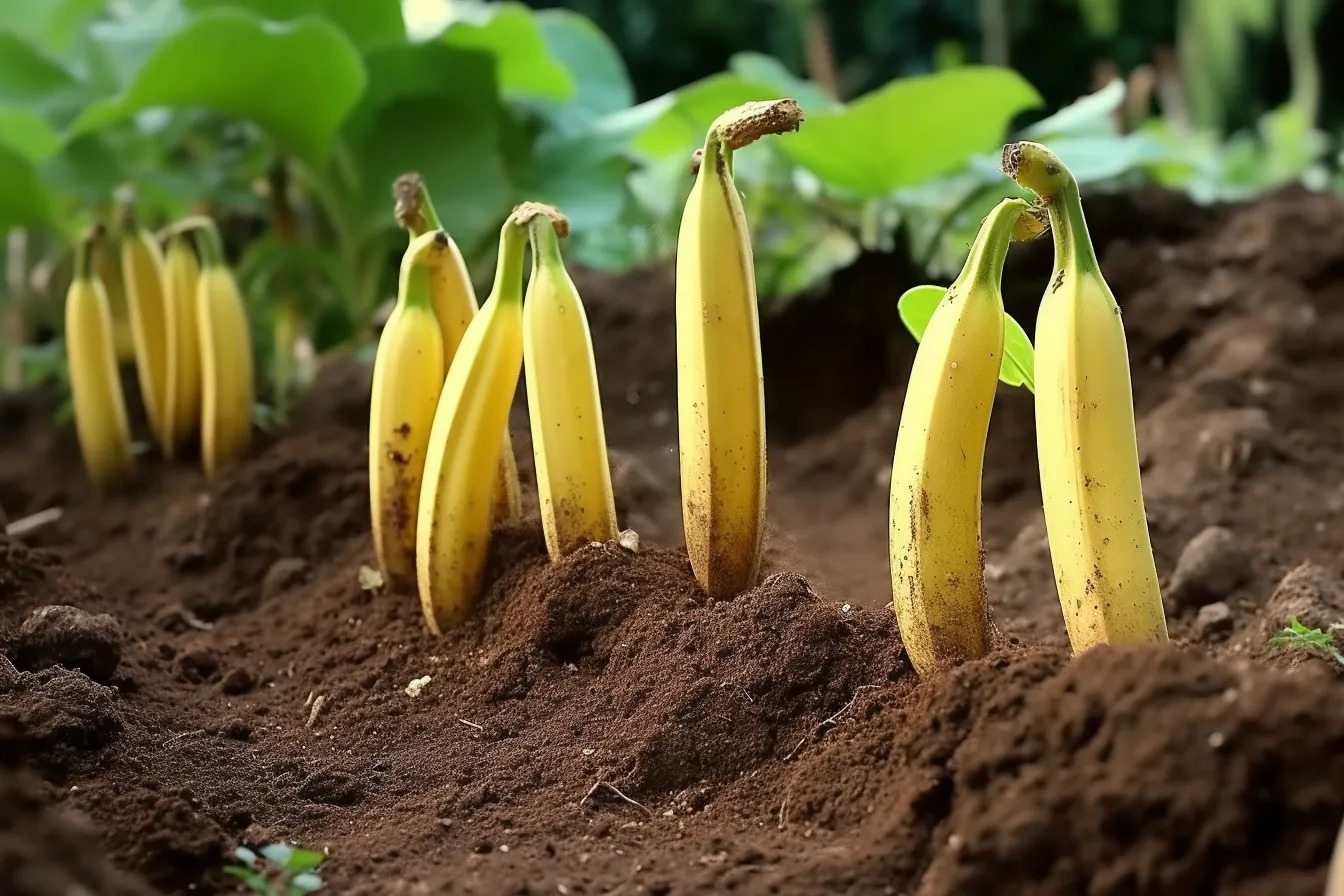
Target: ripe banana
[
  {"x": 937, "y": 570},
  {"x": 108, "y": 265},
  {"x": 142, "y": 273},
  {"x": 720, "y": 398},
  {"x": 100, "y": 408},
  {"x": 407, "y": 373},
  {"x": 226, "y": 357},
  {"x": 454, "y": 301},
  {"x": 457, "y": 500},
  {"x": 181, "y": 276},
  {"x": 1086, "y": 443},
  {"x": 568, "y": 438}
]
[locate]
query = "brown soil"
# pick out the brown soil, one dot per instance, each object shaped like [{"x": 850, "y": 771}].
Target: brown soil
[{"x": 602, "y": 727}]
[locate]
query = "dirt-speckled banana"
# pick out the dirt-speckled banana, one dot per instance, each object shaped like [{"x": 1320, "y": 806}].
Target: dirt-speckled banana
[
  {"x": 142, "y": 274},
  {"x": 937, "y": 569},
  {"x": 1086, "y": 445},
  {"x": 226, "y": 357},
  {"x": 454, "y": 301},
  {"x": 407, "y": 376},
  {"x": 720, "y": 398},
  {"x": 100, "y": 408},
  {"x": 569, "y": 441},
  {"x": 181, "y": 276},
  {"x": 457, "y": 500}
]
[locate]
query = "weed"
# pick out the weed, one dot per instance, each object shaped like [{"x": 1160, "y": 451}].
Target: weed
[
  {"x": 279, "y": 870},
  {"x": 1308, "y": 640}
]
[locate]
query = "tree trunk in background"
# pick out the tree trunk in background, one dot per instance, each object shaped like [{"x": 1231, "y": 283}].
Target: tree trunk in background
[
  {"x": 15, "y": 317},
  {"x": 995, "y": 37}
]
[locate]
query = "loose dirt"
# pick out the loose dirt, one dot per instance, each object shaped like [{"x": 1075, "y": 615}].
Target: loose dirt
[{"x": 194, "y": 665}]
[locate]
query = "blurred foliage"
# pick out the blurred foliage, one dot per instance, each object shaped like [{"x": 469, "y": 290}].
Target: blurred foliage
[{"x": 289, "y": 119}]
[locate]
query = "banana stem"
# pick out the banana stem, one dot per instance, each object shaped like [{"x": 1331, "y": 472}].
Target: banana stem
[
  {"x": 209, "y": 245},
  {"x": 414, "y": 209},
  {"x": 545, "y": 245},
  {"x": 508, "y": 285},
  {"x": 984, "y": 267},
  {"x": 1038, "y": 169},
  {"x": 417, "y": 270},
  {"x": 88, "y": 244}
]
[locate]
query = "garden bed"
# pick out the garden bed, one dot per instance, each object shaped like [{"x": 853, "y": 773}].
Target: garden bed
[{"x": 601, "y": 727}]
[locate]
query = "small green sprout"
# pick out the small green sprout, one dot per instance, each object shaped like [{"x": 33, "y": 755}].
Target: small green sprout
[
  {"x": 280, "y": 870},
  {"x": 1308, "y": 640}
]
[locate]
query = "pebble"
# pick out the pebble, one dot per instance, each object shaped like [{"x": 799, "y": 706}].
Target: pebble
[
  {"x": 1211, "y": 566},
  {"x": 70, "y": 637},
  {"x": 1214, "y": 620}
]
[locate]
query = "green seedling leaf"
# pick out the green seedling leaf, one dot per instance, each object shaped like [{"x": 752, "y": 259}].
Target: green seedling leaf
[
  {"x": 278, "y": 854},
  {"x": 370, "y": 579},
  {"x": 232, "y": 62},
  {"x": 916, "y": 307},
  {"x": 301, "y": 860},
  {"x": 245, "y": 855},
  {"x": 911, "y": 129},
  {"x": 307, "y": 882},
  {"x": 510, "y": 33},
  {"x": 1308, "y": 640}
]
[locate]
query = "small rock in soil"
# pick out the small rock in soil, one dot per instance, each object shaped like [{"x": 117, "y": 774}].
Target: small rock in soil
[
  {"x": 1211, "y": 566},
  {"x": 1214, "y": 621},
  {"x": 335, "y": 788},
  {"x": 198, "y": 666},
  {"x": 283, "y": 574},
  {"x": 239, "y": 681},
  {"x": 70, "y": 637}
]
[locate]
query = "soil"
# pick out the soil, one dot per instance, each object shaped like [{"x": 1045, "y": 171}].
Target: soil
[{"x": 194, "y": 665}]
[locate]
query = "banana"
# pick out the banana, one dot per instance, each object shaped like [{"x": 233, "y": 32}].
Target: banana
[
  {"x": 407, "y": 373},
  {"x": 108, "y": 265},
  {"x": 454, "y": 301},
  {"x": 937, "y": 571},
  {"x": 457, "y": 499},
  {"x": 142, "y": 274},
  {"x": 100, "y": 408},
  {"x": 181, "y": 276},
  {"x": 226, "y": 357},
  {"x": 720, "y": 398},
  {"x": 1086, "y": 444},
  {"x": 569, "y": 442}
]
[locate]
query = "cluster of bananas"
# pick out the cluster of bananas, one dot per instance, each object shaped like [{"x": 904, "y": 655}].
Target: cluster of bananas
[
  {"x": 441, "y": 467},
  {"x": 182, "y": 321},
  {"x": 1086, "y": 445}
]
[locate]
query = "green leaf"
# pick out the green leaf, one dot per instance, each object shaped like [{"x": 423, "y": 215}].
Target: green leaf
[
  {"x": 916, "y": 307},
  {"x": 601, "y": 83},
  {"x": 297, "y": 81},
  {"x": 758, "y": 68},
  {"x": 52, "y": 25},
  {"x": 911, "y": 129},
  {"x": 683, "y": 120},
  {"x": 301, "y": 860},
  {"x": 278, "y": 854},
  {"x": 28, "y": 134},
  {"x": 510, "y": 33},
  {"x": 435, "y": 109},
  {"x": 307, "y": 882},
  {"x": 26, "y": 75},
  {"x": 368, "y": 23},
  {"x": 245, "y": 855},
  {"x": 24, "y": 198},
  {"x": 1092, "y": 113}
]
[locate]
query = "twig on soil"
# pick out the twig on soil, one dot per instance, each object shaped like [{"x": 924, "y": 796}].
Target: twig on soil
[
  {"x": 194, "y": 621},
  {"x": 32, "y": 522},
  {"x": 612, "y": 787},
  {"x": 183, "y": 736},
  {"x": 318, "y": 703},
  {"x": 830, "y": 720},
  {"x": 472, "y": 725}
]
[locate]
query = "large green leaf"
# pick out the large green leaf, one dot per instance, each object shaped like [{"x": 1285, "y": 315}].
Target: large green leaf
[
  {"x": 759, "y": 68},
  {"x": 435, "y": 109},
  {"x": 916, "y": 307},
  {"x": 296, "y": 80},
  {"x": 52, "y": 25},
  {"x": 23, "y": 195},
  {"x": 27, "y": 133},
  {"x": 682, "y": 123},
  {"x": 601, "y": 83},
  {"x": 911, "y": 129},
  {"x": 368, "y": 23},
  {"x": 511, "y": 33}
]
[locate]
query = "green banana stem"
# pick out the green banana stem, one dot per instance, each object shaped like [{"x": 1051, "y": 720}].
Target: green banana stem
[
  {"x": 416, "y": 275},
  {"x": 414, "y": 209},
  {"x": 1036, "y": 168},
  {"x": 508, "y": 285},
  {"x": 545, "y": 245},
  {"x": 984, "y": 265},
  {"x": 88, "y": 244},
  {"x": 209, "y": 244}
]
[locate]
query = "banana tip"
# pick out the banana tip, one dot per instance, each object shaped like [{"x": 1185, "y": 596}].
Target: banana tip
[
  {"x": 528, "y": 212},
  {"x": 749, "y": 122},
  {"x": 1012, "y": 159}
]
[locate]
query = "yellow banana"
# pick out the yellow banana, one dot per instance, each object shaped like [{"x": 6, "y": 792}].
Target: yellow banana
[
  {"x": 407, "y": 374},
  {"x": 181, "y": 276},
  {"x": 100, "y": 408},
  {"x": 142, "y": 274},
  {"x": 108, "y": 264},
  {"x": 1086, "y": 445},
  {"x": 454, "y": 301},
  {"x": 720, "y": 402},
  {"x": 226, "y": 358},
  {"x": 457, "y": 507},
  {"x": 569, "y": 442},
  {"x": 937, "y": 571}
]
